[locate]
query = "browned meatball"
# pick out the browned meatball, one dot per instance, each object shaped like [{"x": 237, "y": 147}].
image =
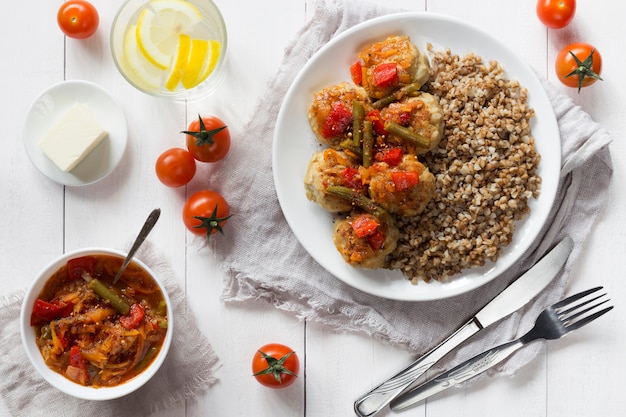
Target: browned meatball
[
  {"x": 404, "y": 189},
  {"x": 328, "y": 168},
  {"x": 330, "y": 113},
  {"x": 364, "y": 240},
  {"x": 422, "y": 114},
  {"x": 411, "y": 64}
]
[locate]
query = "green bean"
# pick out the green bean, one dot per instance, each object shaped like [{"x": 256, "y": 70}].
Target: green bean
[
  {"x": 349, "y": 147},
  {"x": 397, "y": 95},
  {"x": 117, "y": 302},
  {"x": 407, "y": 135},
  {"x": 368, "y": 143},
  {"x": 358, "y": 114},
  {"x": 147, "y": 358},
  {"x": 358, "y": 199},
  {"x": 161, "y": 308}
]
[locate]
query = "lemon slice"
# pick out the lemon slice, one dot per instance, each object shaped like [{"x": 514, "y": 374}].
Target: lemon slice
[
  {"x": 159, "y": 26},
  {"x": 179, "y": 66},
  {"x": 215, "y": 49},
  {"x": 197, "y": 59},
  {"x": 141, "y": 69}
]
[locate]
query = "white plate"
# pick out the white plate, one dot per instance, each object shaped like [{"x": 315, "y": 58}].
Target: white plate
[
  {"x": 294, "y": 144},
  {"x": 51, "y": 106}
]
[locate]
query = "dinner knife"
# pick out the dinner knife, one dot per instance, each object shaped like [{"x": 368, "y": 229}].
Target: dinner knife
[{"x": 512, "y": 298}]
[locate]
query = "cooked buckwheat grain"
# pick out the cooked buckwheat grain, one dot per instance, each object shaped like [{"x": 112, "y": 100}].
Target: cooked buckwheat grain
[{"x": 485, "y": 168}]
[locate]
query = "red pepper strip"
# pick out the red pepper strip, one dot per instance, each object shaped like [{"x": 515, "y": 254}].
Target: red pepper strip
[
  {"x": 43, "y": 312},
  {"x": 404, "y": 180},
  {"x": 356, "y": 71},
  {"x": 364, "y": 225},
  {"x": 391, "y": 156},
  {"x": 77, "y": 361},
  {"x": 404, "y": 118},
  {"x": 65, "y": 310},
  {"x": 134, "y": 317},
  {"x": 350, "y": 178},
  {"x": 377, "y": 122},
  {"x": 338, "y": 120},
  {"x": 376, "y": 240},
  {"x": 61, "y": 335},
  {"x": 77, "y": 266},
  {"x": 385, "y": 75}
]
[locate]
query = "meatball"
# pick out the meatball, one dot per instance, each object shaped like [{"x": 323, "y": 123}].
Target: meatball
[
  {"x": 330, "y": 113},
  {"x": 405, "y": 189},
  {"x": 411, "y": 65},
  {"x": 364, "y": 240},
  {"x": 327, "y": 168},
  {"x": 422, "y": 114}
]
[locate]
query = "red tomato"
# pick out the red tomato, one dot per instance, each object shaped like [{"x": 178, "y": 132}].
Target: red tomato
[
  {"x": 356, "y": 72},
  {"x": 364, "y": 225},
  {"x": 78, "y": 19},
  {"x": 134, "y": 317},
  {"x": 76, "y": 267},
  {"x": 578, "y": 65},
  {"x": 376, "y": 240},
  {"x": 404, "y": 180},
  {"x": 175, "y": 167},
  {"x": 205, "y": 212},
  {"x": 556, "y": 14},
  {"x": 385, "y": 75},
  {"x": 208, "y": 139},
  {"x": 43, "y": 312},
  {"x": 275, "y": 365},
  {"x": 338, "y": 121},
  {"x": 391, "y": 156}
]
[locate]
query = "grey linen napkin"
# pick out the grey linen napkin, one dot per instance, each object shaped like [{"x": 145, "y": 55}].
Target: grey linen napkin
[
  {"x": 263, "y": 259},
  {"x": 188, "y": 369}
]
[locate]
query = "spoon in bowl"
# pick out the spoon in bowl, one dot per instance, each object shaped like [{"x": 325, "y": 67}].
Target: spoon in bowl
[{"x": 143, "y": 233}]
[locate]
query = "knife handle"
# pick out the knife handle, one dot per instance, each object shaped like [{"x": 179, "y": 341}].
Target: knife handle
[
  {"x": 374, "y": 401},
  {"x": 460, "y": 373}
]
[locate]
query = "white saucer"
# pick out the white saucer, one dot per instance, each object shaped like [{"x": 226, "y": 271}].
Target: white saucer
[{"x": 50, "y": 107}]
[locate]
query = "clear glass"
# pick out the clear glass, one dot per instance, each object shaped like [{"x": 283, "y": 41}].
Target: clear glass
[{"x": 146, "y": 77}]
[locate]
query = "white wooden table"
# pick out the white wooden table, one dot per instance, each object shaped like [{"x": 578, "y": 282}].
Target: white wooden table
[{"x": 582, "y": 375}]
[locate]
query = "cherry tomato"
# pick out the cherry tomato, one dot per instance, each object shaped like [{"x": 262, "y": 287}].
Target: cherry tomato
[
  {"x": 556, "y": 14},
  {"x": 205, "y": 212},
  {"x": 208, "y": 139},
  {"x": 578, "y": 65},
  {"x": 275, "y": 365},
  {"x": 175, "y": 167},
  {"x": 78, "y": 19}
]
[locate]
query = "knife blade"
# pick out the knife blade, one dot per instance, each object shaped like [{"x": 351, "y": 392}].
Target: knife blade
[{"x": 512, "y": 298}]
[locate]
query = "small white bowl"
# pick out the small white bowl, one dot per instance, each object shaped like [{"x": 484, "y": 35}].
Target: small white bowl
[
  {"x": 51, "y": 105},
  {"x": 59, "y": 381}
]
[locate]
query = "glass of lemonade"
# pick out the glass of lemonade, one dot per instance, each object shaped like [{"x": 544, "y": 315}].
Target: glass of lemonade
[{"x": 170, "y": 48}]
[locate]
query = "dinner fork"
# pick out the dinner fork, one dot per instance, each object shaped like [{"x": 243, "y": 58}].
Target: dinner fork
[{"x": 554, "y": 322}]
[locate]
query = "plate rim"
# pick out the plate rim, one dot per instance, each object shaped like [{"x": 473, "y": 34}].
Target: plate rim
[
  {"x": 548, "y": 188},
  {"x": 117, "y": 136}
]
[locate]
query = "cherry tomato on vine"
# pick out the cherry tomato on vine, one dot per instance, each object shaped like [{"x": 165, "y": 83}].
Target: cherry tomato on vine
[
  {"x": 556, "y": 14},
  {"x": 578, "y": 65},
  {"x": 275, "y": 365},
  {"x": 175, "y": 167},
  {"x": 205, "y": 212},
  {"x": 78, "y": 19},
  {"x": 208, "y": 139}
]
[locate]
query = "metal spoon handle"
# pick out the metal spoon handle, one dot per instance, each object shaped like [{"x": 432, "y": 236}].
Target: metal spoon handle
[{"x": 143, "y": 233}]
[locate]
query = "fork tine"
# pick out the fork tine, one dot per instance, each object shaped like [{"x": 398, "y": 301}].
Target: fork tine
[
  {"x": 588, "y": 319},
  {"x": 575, "y": 297},
  {"x": 576, "y": 309},
  {"x": 566, "y": 318}
]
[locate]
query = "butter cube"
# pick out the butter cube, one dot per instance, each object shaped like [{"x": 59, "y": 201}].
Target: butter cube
[{"x": 72, "y": 138}]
